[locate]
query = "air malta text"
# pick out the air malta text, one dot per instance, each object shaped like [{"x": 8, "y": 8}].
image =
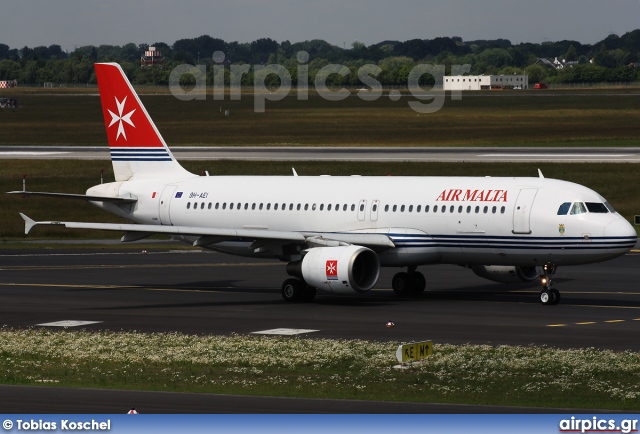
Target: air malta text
[{"x": 473, "y": 196}]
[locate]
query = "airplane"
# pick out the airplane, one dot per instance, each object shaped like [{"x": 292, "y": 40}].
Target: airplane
[{"x": 336, "y": 232}]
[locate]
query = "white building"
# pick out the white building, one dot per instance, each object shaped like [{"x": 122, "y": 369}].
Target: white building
[{"x": 485, "y": 82}]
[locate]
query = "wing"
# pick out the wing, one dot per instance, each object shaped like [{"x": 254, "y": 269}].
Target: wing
[
  {"x": 120, "y": 200},
  {"x": 207, "y": 236}
]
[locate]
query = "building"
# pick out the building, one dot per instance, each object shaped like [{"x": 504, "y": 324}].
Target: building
[
  {"x": 6, "y": 84},
  {"x": 151, "y": 58},
  {"x": 485, "y": 82}
]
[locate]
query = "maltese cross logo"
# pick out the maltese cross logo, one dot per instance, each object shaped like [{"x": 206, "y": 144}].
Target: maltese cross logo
[
  {"x": 120, "y": 118},
  {"x": 332, "y": 270}
]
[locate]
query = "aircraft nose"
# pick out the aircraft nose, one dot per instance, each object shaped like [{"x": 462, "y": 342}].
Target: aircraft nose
[{"x": 622, "y": 230}]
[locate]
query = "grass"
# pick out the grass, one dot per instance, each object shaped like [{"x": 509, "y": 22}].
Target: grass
[
  {"x": 321, "y": 368},
  {"x": 524, "y": 119},
  {"x": 611, "y": 180}
]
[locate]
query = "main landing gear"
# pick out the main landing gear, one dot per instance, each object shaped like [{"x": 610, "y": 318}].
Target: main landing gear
[
  {"x": 297, "y": 290},
  {"x": 548, "y": 295},
  {"x": 410, "y": 283}
]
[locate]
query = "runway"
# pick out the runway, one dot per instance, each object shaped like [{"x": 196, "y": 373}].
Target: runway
[
  {"x": 394, "y": 154},
  {"x": 209, "y": 293},
  {"x": 212, "y": 293}
]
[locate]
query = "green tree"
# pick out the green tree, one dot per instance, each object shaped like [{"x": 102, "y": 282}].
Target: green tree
[{"x": 571, "y": 55}]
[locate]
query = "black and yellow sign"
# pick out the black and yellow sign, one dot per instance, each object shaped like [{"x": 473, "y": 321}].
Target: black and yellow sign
[{"x": 414, "y": 351}]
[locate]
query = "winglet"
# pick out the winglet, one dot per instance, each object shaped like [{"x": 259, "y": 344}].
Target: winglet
[
  {"x": 294, "y": 171},
  {"x": 28, "y": 223},
  {"x": 540, "y": 173}
]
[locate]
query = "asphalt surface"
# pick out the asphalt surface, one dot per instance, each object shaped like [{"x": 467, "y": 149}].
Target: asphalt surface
[
  {"x": 423, "y": 154},
  {"x": 211, "y": 293}
]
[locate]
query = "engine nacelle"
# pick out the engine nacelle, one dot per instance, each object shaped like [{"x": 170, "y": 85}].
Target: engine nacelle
[
  {"x": 505, "y": 273},
  {"x": 344, "y": 269}
]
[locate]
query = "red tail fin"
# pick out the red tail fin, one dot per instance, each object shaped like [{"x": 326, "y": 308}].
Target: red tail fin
[{"x": 137, "y": 148}]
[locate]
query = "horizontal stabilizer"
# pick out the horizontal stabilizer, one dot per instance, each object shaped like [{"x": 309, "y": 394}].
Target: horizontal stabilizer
[{"x": 121, "y": 200}]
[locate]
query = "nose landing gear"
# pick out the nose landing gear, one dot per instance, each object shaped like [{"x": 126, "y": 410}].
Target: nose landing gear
[{"x": 548, "y": 295}]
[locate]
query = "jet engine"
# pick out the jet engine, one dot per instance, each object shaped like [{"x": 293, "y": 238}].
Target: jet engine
[
  {"x": 505, "y": 274},
  {"x": 341, "y": 270}
]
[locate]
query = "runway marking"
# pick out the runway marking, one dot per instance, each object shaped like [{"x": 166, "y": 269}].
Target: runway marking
[
  {"x": 68, "y": 323},
  {"x": 98, "y": 266},
  {"x": 143, "y": 288},
  {"x": 610, "y": 321},
  {"x": 558, "y": 155},
  {"x": 284, "y": 332}
]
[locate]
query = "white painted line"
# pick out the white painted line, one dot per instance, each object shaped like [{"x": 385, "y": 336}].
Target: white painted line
[
  {"x": 32, "y": 153},
  {"x": 284, "y": 332},
  {"x": 558, "y": 155},
  {"x": 68, "y": 323}
]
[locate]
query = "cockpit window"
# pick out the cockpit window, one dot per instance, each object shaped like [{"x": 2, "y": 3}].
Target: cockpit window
[
  {"x": 597, "y": 207},
  {"x": 609, "y": 207},
  {"x": 578, "y": 208},
  {"x": 564, "y": 208}
]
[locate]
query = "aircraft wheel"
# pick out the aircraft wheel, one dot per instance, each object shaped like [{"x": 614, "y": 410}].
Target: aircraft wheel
[
  {"x": 293, "y": 289},
  {"x": 400, "y": 284},
  {"x": 556, "y": 295},
  {"x": 418, "y": 283},
  {"x": 308, "y": 293},
  {"x": 547, "y": 297}
]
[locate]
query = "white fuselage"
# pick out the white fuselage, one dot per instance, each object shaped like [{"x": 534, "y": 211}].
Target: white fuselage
[{"x": 459, "y": 220}]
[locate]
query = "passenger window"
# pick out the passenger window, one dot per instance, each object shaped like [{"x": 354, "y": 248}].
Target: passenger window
[
  {"x": 322, "y": 207},
  {"x": 268, "y": 206},
  {"x": 451, "y": 208},
  {"x": 564, "y": 208},
  {"x": 290, "y": 207},
  {"x": 298, "y": 207},
  {"x": 426, "y": 208},
  {"x": 578, "y": 208},
  {"x": 597, "y": 207},
  {"x": 231, "y": 206},
  {"x": 402, "y": 208},
  {"x": 344, "y": 207},
  {"x": 395, "y": 208},
  {"x": 188, "y": 205},
  {"x": 217, "y": 205},
  {"x": 195, "y": 205},
  {"x": 410, "y": 208},
  {"x": 375, "y": 207},
  {"x": 418, "y": 208},
  {"x": 460, "y": 209},
  {"x": 260, "y": 206},
  {"x": 275, "y": 207},
  {"x": 209, "y": 205},
  {"x": 502, "y": 210},
  {"x": 477, "y": 209},
  {"x": 361, "y": 207},
  {"x": 353, "y": 207},
  {"x": 224, "y": 205},
  {"x": 493, "y": 210},
  {"x": 435, "y": 208},
  {"x": 306, "y": 206},
  {"x": 468, "y": 209},
  {"x": 486, "y": 208},
  {"x": 444, "y": 208},
  {"x": 329, "y": 207},
  {"x": 253, "y": 206},
  {"x": 202, "y": 205},
  {"x": 246, "y": 206}
]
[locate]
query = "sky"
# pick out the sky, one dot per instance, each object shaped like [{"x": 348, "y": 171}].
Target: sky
[{"x": 74, "y": 23}]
